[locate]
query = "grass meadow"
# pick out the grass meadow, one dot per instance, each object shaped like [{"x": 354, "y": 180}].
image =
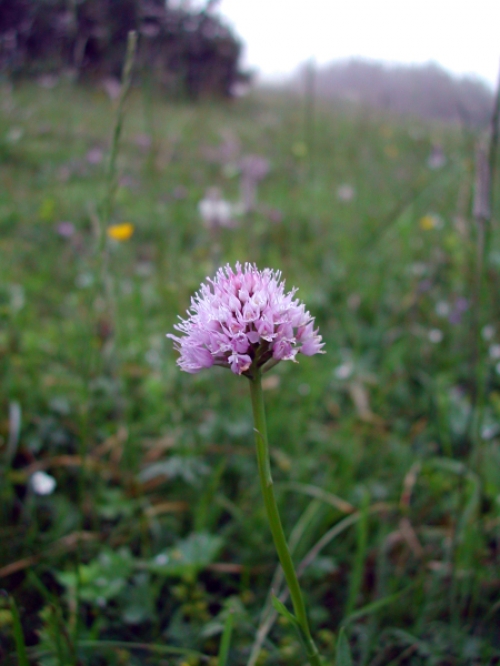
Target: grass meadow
[{"x": 153, "y": 546}]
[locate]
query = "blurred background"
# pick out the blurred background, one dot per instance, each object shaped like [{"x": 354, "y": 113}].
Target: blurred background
[{"x": 354, "y": 147}]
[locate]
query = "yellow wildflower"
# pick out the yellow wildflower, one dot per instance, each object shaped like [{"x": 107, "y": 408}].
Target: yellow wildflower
[
  {"x": 47, "y": 211},
  {"x": 299, "y": 149},
  {"x": 429, "y": 221},
  {"x": 120, "y": 232},
  {"x": 391, "y": 151}
]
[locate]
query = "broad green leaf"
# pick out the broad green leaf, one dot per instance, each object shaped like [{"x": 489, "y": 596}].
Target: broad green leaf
[
  {"x": 187, "y": 556},
  {"x": 102, "y": 579}
]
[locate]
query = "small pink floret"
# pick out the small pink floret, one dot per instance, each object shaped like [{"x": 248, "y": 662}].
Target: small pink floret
[{"x": 241, "y": 318}]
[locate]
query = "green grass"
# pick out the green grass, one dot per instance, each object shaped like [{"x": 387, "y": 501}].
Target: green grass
[{"x": 156, "y": 534}]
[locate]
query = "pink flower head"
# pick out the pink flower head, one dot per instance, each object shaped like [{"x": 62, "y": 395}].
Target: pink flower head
[{"x": 243, "y": 319}]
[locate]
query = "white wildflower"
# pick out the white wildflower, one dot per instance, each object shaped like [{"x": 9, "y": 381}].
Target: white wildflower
[
  {"x": 435, "y": 336},
  {"x": 42, "y": 483},
  {"x": 344, "y": 371},
  {"x": 494, "y": 351},
  {"x": 488, "y": 332},
  {"x": 214, "y": 210}
]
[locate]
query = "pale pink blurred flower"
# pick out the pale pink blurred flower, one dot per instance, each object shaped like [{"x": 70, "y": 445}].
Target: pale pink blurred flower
[
  {"x": 253, "y": 169},
  {"x": 494, "y": 351},
  {"x": 226, "y": 153},
  {"x": 150, "y": 30},
  {"x": 180, "y": 192},
  {"x": 143, "y": 141},
  {"x": 113, "y": 88},
  {"x": 64, "y": 173},
  {"x": 243, "y": 318},
  {"x": 460, "y": 306},
  {"x": 346, "y": 192},
  {"x": 240, "y": 88},
  {"x": 354, "y": 301},
  {"x": 274, "y": 215},
  {"x": 48, "y": 81},
  {"x": 94, "y": 156},
  {"x": 254, "y": 166},
  {"x": 65, "y": 229},
  {"x": 424, "y": 285},
  {"x": 437, "y": 158},
  {"x": 488, "y": 332},
  {"x": 128, "y": 182}
]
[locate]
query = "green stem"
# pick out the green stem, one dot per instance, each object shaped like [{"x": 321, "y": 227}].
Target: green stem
[
  {"x": 266, "y": 482},
  {"x": 111, "y": 181}
]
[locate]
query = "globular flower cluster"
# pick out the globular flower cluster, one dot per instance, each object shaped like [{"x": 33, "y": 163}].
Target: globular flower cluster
[{"x": 243, "y": 319}]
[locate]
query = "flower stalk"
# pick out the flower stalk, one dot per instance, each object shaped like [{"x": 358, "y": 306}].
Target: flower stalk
[{"x": 266, "y": 482}]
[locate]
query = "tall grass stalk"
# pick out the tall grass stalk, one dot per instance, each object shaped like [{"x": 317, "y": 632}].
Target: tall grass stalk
[
  {"x": 111, "y": 177},
  {"x": 105, "y": 214},
  {"x": 486, "y": 158},
  {"x": 101, "y": 221}
]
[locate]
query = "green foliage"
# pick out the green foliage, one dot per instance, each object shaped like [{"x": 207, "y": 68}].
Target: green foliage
[
  {"x": 226, "y": 641},
  {"x": 343, "y": 652},
  {"x": 18, "y": 634},
  {"x": 102, "y": 579},
  {"x": 188, "y": 557},
  {"x": 155, "y": 533}
]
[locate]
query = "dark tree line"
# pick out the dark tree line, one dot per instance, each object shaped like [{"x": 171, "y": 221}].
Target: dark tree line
[{"x": 187, "y": 51}]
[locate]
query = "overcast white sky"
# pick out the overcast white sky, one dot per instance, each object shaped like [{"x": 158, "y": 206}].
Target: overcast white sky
[{"x": 461, "y": 35}]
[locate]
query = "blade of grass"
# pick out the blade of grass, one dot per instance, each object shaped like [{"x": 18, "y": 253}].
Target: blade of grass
[
  {"x": 147, "y": 647},
  {"x": 343, "y": 655},
  {"x": 269, "y": 614},
  {"x": 359, "y": 562},
  {"x": 225, "y": 643},
  {"x": 323, "y": 495},
  {"x": 56, "y": 619},
  {"x": 482, "y": 210},
  {"x": 375, "y": 606},
  {"x": 268, "y": 621},
  {"x": 18, "y": 634}
]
